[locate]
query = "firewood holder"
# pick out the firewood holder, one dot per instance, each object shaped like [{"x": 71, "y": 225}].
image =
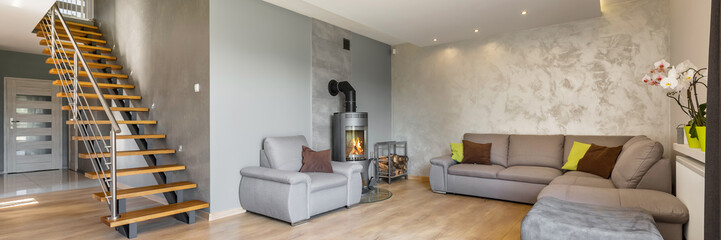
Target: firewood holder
[{"x": 385, "y": 151}]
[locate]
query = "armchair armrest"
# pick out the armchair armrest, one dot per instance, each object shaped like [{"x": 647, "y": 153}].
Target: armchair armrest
[
  {"x": 354, "y": 186},
  {"x": 279, "y": 194},
  {"x": 347, "y": 169},
  {"x": 279, "y": 176}
]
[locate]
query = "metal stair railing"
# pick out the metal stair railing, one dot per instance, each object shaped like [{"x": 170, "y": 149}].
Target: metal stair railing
[{"x": 69, "y": 72}]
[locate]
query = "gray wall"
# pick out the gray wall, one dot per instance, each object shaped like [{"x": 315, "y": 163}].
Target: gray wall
[
  {"x": 371, "y": 78},
  {"x": 580, "y": 77},
  {"x": 366, "y": 66},
  {"x": 260, "y": 71},
  {"x": 164, "y": 46},
  {"x": 24, "y": 65}
]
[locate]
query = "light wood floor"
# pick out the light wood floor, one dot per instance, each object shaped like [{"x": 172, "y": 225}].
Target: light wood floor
[{"x": 414, "y": 212}]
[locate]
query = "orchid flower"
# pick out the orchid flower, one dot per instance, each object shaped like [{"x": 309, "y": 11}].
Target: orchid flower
[
  {"x": 685, "y": 66},
  {"x": 646, "y": 79},
  {"x": 662, "y": 64},
  {"x": 671, "y": 81}
]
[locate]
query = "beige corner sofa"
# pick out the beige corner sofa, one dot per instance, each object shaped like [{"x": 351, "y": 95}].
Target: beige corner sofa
[{"x": 528, "y": 167}]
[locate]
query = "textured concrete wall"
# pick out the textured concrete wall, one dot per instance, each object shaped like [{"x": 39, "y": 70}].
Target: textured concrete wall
[
  {"x": 260, "y": 71},
  {"x": 575, "y": 78},
  {"x": 366, "y": 66},
  {"x": 330, "y": 61},
  {"x": 24, "y": 65},
  {"x": 164, "y": 47}
]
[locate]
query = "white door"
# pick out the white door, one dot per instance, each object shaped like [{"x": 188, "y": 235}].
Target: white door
[{"x": 32, "y": 125}]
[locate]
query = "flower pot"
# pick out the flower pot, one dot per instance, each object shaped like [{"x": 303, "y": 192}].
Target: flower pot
[
  {"x": 701, "y": 131},
  {"x": 692, "y": 142}
]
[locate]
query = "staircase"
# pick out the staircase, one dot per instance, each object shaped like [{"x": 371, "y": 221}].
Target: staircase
[{"x": 80, "y": 61}]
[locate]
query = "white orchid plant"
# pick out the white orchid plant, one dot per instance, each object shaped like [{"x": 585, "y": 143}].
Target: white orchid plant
[{"x": 683, "y": 77}]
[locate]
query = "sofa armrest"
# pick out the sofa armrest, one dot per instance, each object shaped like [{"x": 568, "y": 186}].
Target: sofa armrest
[
  {"x": 658, "y": 177},
  {"x": 443, "y": 161},
  {"x": 438, "y": 175},
  {"x": 279, "y": 176},
  {"x": 354, "y": 186}
]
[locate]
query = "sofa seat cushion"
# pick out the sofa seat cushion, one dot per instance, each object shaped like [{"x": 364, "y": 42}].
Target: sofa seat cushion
[
  {"x": 581, "y": 174},
  {"x": 583, "y": 181},
  {"x": 323, "y": 181},
  {"x": 529, "y": 174},
  {"x": 475, "y": 170},
  {"x": 662, "y": 206}
]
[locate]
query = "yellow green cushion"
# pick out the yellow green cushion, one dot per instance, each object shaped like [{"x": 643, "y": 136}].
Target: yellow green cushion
[
  {"x": 457, "y": 150},
  {"x": 577, "y": 152}
]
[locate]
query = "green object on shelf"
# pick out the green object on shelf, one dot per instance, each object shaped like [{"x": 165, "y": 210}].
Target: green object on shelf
[
  {"x": 701, "y": 131},
  {"x": 692, "y": 142}
]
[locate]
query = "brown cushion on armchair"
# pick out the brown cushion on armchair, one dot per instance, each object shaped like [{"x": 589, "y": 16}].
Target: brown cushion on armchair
[{"x": 316, "y": 161}]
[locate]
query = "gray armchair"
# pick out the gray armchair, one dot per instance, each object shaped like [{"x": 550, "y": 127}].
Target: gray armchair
[{"x": 276, "y": 189}]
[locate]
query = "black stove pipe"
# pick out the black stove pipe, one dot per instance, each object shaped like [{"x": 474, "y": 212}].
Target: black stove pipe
[{"x": 334, "y": 87}]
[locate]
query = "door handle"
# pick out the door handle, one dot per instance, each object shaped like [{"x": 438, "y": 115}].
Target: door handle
[{"x": 13, "y": 121}]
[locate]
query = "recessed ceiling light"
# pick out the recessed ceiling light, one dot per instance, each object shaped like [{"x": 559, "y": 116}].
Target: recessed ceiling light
[
  {"x": 435, "y": 40},
  {"x": 475, "y": 30},
  {"x": 524, "y": 12}
]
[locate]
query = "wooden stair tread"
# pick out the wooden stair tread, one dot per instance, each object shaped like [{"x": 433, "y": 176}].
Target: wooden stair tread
[
  {"x": 95, "y": 74},
  {"x": 100, "y": 108},
  {"x": 153, "y": 213},
  {"x": 127, "y": 153},
  {"x": 143, "y": 136},
  {"x": 136, "y": 171},
  {"x": 80, "y": 64},
  {"x": 147, "y": 190},
  {"x": 74, "y": 31},
  {"x": 82, "y": 47},
  {"x": 90, "y": 56},
  {"x": 74, "y": 24},
  {"x": 107, "y": 96},
  {"x": 108, "y": 122},
  {"x": 77, "y": 39},
  {"x": 88, "y": 84}
]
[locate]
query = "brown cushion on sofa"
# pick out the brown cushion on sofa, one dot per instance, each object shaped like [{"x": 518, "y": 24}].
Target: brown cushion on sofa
[
  {"x": 599, "y": 160},
  {"x": 476, "y": 153},
  {"x": 316, "y": 161},
  {"x": 499, "y": 147}
]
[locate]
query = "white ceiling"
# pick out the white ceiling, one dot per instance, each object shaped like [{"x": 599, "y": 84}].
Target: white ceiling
[
  {"x": 420, "y": 21},
  {"x": 18, "y": 18}
]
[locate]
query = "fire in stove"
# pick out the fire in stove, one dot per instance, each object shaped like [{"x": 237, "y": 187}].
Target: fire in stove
[{"x": 357, "y": 147}]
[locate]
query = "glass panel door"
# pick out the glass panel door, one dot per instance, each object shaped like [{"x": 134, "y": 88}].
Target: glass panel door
[
  {"x": 32, "y": 126},
  {"x": 355, "y": 143}
]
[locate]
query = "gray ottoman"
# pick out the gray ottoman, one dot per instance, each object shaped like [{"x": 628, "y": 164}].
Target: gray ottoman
[{"x": 551, "y": 218}]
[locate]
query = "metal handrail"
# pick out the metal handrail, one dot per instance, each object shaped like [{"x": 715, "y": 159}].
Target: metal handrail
[
  {"x": 113, "y": 201},
  {"x": 101, "y": 98}
]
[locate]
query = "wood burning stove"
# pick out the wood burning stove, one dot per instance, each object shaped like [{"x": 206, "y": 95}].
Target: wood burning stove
[{"x": 350, "y": 131}]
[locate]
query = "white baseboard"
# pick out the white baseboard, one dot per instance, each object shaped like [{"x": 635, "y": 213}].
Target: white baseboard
[{"x": 223, "y": 214}]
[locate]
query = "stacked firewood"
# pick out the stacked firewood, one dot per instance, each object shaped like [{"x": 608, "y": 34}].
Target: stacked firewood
[{"x": 399, "y": 163}]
